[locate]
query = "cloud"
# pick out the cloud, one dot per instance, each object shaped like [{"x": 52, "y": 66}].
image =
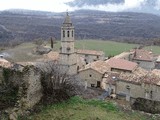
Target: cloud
[
  {"x": 44, "y": 5},
  {"x": 157, "y": 5},
  {"x": 127, "y": 5}
]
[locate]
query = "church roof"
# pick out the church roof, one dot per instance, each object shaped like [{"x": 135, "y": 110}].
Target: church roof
[
  {"x": 67, "y": 21},
  {"x": 89, "y": 52}
]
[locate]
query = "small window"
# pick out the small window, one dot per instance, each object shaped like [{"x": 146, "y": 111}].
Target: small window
[
  {"x": 68, "y": 48},
  {"x": 68, "y": 33},
  {"x": 63, "y": 33},
  {"x": 92, "y": 85},
  {"x": 97, "y": 57},
  {"x": 72, "y": 33},
  {"x": 90, "y": 75},
  {"x": 151, "y": 94},
  {"x": 86, "y": 55}
]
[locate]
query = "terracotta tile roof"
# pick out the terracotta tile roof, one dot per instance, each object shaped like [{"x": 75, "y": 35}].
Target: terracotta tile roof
[
  {"x": 140, "y": 76},
  {"x": 90, "y": 52},
  {"x": 144, "y": 55},
  {"x": 5, "y": 63},
  {"x": 122, "y": 64},
  {"x": 99, "y": 66},
  {"x": 26, "y": 63},
  {"x": 156, "y": 72},
  {"x": 110, "y": 77},
  {"x": 51, "y": 56}
]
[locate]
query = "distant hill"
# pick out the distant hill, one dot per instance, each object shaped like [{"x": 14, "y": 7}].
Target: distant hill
[
  {"x": 81, "y": 3},
  {"x": 145, "y": 6},
  {"x": 124, "y": 26}
]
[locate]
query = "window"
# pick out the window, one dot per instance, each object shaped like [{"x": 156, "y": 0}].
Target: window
[
  {"x": 68, "y": 48},
  {"x": 63, "y": 33},
  {"x": 77, "y": 68},
  {"x": 151, "y": 94},
  {"x": 92, "y": 85},
  {"x": 72, "y": 33},
  {"x": 90, "y": 75},
  {"x": 98, "y": 83},
  {"x": 68, "y": 33}
]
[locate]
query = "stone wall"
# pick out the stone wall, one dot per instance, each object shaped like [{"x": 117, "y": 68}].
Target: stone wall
[
  {"x": 90, "y": 76},
  {"x": 29, "y": 86},
  {"x": 146, "y": 105},
  {"x": 133, "y": 90}
]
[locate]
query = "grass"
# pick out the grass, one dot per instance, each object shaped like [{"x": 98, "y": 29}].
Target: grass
[
  {"x": 79, "y": 109},
  {"x": 109, "y": 47},
  {"x": 22, "y": 52}
]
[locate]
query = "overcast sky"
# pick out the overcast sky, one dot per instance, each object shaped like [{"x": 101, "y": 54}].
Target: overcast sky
[
  {"x": 44, "y": 5},
  {"x": 59, "y": 6}
]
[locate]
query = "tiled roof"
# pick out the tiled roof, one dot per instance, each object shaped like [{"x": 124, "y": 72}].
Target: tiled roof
[
  {"x": 26, "y": 63},
  {"x": 90, "y": 52},
  {"x": 110, "y": 77},
  {"x": 51, "y": 56},
  {"x": 140, "y": 76},
  {"x": 122, "y": 64},
  {"x": 99, "y": 66},
  {"x": 143, "y": 55}
]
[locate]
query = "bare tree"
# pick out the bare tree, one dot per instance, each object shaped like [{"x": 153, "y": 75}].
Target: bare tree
[{"x": 57, "y": 84}]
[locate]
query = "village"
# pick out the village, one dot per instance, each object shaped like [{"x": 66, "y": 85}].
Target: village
[{"x": 130, "y": 75}]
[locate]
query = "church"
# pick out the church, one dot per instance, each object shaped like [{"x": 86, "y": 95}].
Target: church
[{"x": 70, "y": 59}]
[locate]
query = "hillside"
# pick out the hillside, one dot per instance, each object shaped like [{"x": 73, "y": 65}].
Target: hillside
[
  {"x": 79, "y": 109},
  {"x": 130, "y": 27}
]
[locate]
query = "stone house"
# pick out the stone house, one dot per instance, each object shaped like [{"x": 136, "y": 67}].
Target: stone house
[
  {"x": 109, "y": 82},
  {"x": 117, "y": 66},
  {"x": 143, "y": 58},
  {"x": 93, "y": 73},
  {"x": 121, "y": 65},
  {"x": 90, "y": 55},
  {"x": 140, "y": 83},
  {"x": 157, "y": 66}
]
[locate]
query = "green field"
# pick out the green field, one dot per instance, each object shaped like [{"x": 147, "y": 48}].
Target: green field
[
  {"x": 79, "y": 109},
  {"x": 24, "y": 51},
  {"x": 109, "y": 47}
]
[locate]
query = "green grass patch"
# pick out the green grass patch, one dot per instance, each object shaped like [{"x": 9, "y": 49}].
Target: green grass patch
[
  {"x": 110, "y": 48},
  {"x": 79, "y": 109}
]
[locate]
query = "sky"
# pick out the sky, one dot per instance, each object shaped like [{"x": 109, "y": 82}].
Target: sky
[
  {"x": 43, "y": 5},
  {"x": 59, "y": 6}
]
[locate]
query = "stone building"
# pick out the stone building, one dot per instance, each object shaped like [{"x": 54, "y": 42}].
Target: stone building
[
  {"x": 121, "y": 65},
  {"x": 143, "y": 58},
  {"x": 93, "y": 72},
  {"x": 71, "y": 60},
  {"x": 134, "y": 86},
  {"x": 91, "y": 55},
  {"x": 67, "y": 55}
]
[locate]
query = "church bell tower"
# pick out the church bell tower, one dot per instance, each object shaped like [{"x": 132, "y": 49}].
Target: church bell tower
[{"x": 67, "y": 58}]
